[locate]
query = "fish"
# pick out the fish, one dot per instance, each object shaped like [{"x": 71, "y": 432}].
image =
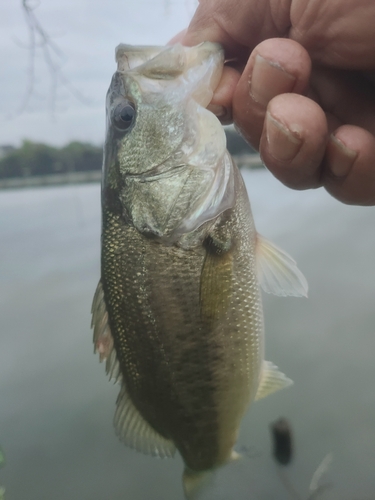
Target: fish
[{"x": 177, "y": 314}]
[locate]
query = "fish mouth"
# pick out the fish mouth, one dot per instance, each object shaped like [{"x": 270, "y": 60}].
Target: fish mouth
[
  {"x": 201, "y": 66},
  {"x": 212, "y": 55}
]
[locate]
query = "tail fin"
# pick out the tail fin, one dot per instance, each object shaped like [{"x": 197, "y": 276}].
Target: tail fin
[{"x": 195, "y": 482}]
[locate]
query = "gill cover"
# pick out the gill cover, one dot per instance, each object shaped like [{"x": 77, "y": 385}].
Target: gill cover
[{"x": 165, "y": 153}]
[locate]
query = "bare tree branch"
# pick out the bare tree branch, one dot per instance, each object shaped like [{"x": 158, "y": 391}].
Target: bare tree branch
[{"x": 40, "y": 40}]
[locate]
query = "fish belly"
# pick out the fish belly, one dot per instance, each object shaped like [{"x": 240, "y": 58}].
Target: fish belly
[{"x": 187, "y": 326}]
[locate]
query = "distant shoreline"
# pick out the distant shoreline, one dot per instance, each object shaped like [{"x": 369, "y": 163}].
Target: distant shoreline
[{"x": 250, "y": 161}]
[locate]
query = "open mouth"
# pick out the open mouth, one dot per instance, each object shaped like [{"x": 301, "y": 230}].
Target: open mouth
[{"x": 199, "y": 68}]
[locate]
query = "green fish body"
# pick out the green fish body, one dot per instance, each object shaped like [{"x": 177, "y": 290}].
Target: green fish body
[{"x": 177, "y": 313}]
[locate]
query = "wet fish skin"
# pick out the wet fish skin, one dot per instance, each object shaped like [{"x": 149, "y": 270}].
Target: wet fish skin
[
  {"x": 178, "y": 310},
  {"x": 171, "y": 334}
]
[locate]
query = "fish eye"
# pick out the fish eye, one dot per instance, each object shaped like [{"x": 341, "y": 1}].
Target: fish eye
[{"x": 124, "y": 116}]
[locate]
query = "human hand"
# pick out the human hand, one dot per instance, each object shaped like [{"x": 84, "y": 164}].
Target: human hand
[{"x": 300, "y": 87}]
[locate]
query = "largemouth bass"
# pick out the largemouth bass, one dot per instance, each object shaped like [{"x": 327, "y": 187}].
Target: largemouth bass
[{"x": 177, "y": 313}]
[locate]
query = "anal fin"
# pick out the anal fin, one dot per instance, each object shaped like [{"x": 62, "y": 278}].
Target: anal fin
[
  {"x": 134, "y": 431},
  {"x": 129, "y": 424},
  {"x": 272, "y": 380}
]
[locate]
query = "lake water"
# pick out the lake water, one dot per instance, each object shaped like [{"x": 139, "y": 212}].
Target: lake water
[{"x": 56, "y": 405}]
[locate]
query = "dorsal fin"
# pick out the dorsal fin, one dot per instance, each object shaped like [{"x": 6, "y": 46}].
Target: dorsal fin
[{"x": 129, "y": 424}]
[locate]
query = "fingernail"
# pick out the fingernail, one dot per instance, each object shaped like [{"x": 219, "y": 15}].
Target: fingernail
[
  {"x": 217, "y": 110},
  {"x": 283, "y": 145},
  {"x": 340, "y": 157},
  {"x": 269, "y": 79}
]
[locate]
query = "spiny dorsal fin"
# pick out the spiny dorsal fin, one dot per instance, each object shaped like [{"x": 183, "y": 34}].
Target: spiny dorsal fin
[
  {"x": 135, "y": 432},
  {"x": 271, "y": 380},
  {"x": 277, "y": 271}
]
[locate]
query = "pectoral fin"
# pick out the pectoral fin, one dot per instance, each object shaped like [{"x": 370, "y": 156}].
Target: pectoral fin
[
  {"x": 271, "y": 380},
  {"x": 216, "y": 280},
  {"x": 277, "y": 271}
]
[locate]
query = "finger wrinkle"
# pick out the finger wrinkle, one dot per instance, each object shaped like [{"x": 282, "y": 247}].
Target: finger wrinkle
[
  {"x": 232, "y": 27},
  {"x": 249, "y": 22},
  {"x": 306, "y": 21},
  {"x": 280, "y": 16},
  {"x": 234, "y": 44}
]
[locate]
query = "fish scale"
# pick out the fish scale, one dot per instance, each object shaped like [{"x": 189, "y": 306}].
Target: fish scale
[{"x": 160, "y": 333}]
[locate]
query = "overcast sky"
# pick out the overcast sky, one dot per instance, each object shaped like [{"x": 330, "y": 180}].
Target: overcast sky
[{"x": 86, "y": 32}]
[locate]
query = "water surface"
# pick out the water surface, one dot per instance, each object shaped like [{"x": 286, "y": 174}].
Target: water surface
[{"x": 56, "y": 406}]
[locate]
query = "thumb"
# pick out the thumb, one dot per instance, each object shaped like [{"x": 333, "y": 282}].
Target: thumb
[{"x": 239, "y": 25}]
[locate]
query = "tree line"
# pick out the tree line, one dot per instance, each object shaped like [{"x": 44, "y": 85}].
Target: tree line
[
  {"x": 34, "y": 159},
  {"x": 41, "y": 159}
]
